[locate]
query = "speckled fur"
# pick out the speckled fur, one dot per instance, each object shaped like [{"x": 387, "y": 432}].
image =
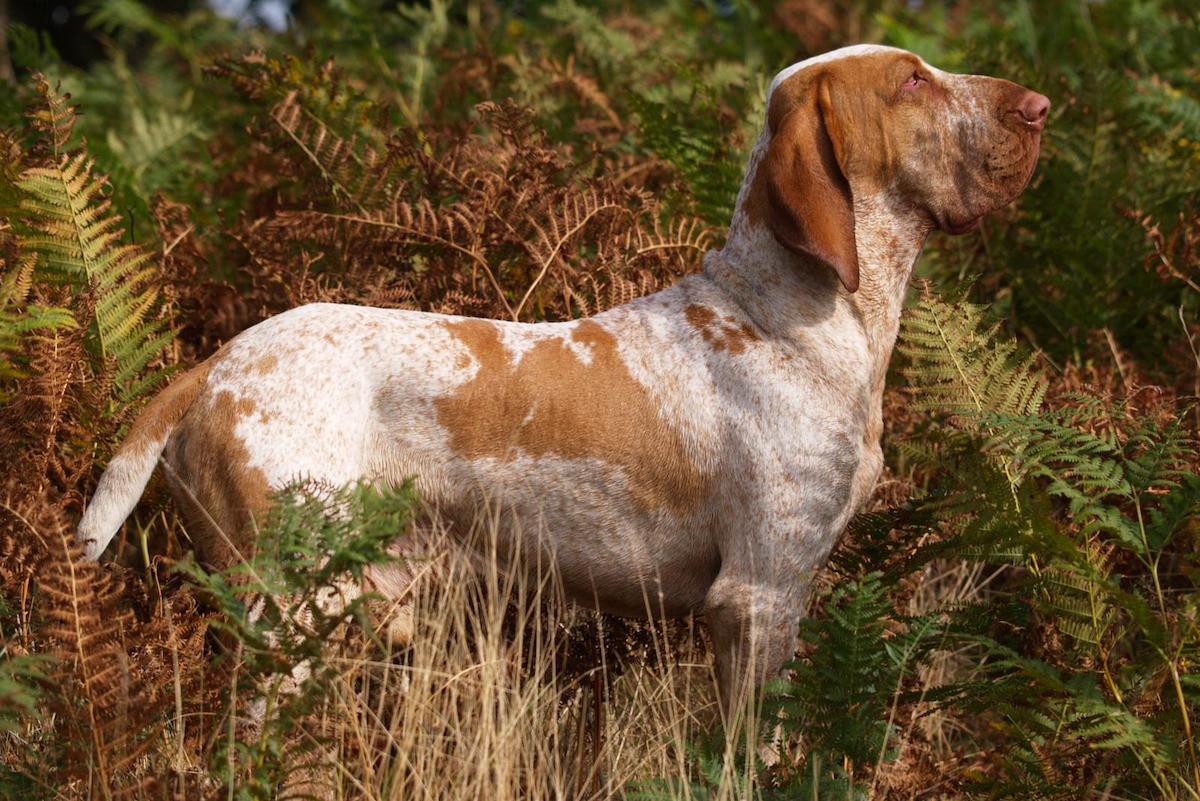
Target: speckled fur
[{"x": 700, "y": 449}]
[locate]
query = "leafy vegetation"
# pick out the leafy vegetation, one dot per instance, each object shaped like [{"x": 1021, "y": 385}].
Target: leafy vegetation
[
  {"x": 1016, "y": 617},
  {"x": 314, "y": 546}
]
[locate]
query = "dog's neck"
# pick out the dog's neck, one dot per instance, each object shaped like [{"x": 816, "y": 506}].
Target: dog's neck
[{"x": 787, "y": 294}]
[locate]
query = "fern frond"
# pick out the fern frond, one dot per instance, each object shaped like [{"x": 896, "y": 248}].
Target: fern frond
[
  {"x": 17, "y": 317},
  {"x": 19, "y": 691},
  {"x": 555, "y": 233},
  {"x": 960, "y": 366},
  {"x": 842, "y": 688},
  {"x": 1167, "y": 109},
  {"x": 317, "y": 541},
  {"x": 993, "y": 519},
  {"x": 1078, "y": 595},
  {"x": 1090, "y": 471},
  {"x": 106, "y": 708},
  {"x": 603, "y": 44},
  {"x": 55, "y": 118},
  {"x": 1158, "y": 458},
  {"x": 883, "y": 541},
  {"x": 354, "y": 172},
  {"x": 69, "y": 223},
  {"x": 1173, "y": 511},
  {"x": 688, "y": 129},
  {"x": 684, "y": 233},
  {"x": 565, "y": 76},
  {"x": 150, "y": 142}
]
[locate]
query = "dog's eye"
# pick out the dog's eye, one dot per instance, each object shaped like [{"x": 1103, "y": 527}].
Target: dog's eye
[{"x": 914, "y": 81}]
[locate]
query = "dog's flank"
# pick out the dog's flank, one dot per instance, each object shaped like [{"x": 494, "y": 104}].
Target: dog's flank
[{"x": 696, "y": 450}]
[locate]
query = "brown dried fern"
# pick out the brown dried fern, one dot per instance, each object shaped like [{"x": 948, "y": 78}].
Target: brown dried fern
[
  {"x": 497, "y": 221},
  {"x": 561, "y": 229},
  {"x": 354, "y": 172},
  {"x": 104, "y": 712},
  {"x": 46, "y": 426}
]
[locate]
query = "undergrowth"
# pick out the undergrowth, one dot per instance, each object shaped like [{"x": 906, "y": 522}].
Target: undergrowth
[{"x": 1015, "y": 618}]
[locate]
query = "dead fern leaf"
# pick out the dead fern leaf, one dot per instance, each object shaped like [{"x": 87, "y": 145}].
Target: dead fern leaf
[
  {"x": 102, "y": 707},
  {"x": 558, "y": 231},
  {"x": 686, "y": 234},
  {"x": 355, "y": 172}
]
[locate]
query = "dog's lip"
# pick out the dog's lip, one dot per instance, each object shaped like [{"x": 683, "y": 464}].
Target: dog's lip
[{"x": 954, "y": 227}]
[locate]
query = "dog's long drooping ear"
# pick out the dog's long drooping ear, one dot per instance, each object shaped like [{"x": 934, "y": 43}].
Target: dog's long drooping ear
[{"x": 811, "y": 210}]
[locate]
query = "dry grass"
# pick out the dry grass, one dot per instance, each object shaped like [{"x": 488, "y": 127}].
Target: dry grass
[
  {"x": 507, "y": 692},
  {"x": 504, "y": 691}
]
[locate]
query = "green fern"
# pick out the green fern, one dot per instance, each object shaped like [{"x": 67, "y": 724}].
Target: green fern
[
  {"x": 611, "y": 49},
  {"x": 841, "y": 690},
  {"x": 991, "y": 516},
  {"x": 19, "y": 677},
  {"x": 1079, "y": 596},
  {"x": 315, "y": 543},
  {"x": 1052, "y": 718},
  {"x": 691, "y": 135},
  {"x": 68, "y": 222},
  {"x": 131, "y": 16},
  {"x": 1167, "y": 109},
  {"x": 961, "y": 366},
  {"x": 18, "y": 318},
  {"x": 885, "y": 541},
  {"x": 151, "y": 144},
  {"x": 1073, "y": 496},
  {"x": 1099, "y": 475}
]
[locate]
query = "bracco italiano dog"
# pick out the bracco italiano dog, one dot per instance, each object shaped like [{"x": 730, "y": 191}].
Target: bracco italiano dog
[{"x": 697, "y": 450}]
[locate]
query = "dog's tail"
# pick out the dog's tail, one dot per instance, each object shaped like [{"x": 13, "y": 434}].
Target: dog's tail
[{"x": 127, "y": 474}]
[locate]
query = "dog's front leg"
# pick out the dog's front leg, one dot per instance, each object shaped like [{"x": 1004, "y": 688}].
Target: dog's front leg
[{"x": 753, "y": 621}]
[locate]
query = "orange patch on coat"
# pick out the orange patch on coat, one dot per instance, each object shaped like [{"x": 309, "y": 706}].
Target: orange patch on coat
[
  {"x": 223, "y": 497},
  {"x": 722, "y": 334},
  {"x": 552, "y": 403},
  {"x": 264, "y": 365}
]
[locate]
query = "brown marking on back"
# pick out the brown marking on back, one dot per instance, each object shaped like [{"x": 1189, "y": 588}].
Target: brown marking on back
[
  {"x": 223, "y": 498},
  {"x": 552, "y": 403},
  {"x": 726, "y": 333}
]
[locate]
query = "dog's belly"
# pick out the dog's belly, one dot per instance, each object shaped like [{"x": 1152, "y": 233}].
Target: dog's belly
[
  {"x": 579, "y": 517},
  {"x": 671, "y": 581}
]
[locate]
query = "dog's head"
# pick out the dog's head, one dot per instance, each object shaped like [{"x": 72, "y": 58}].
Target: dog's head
[{"x": 941, "y": 148}]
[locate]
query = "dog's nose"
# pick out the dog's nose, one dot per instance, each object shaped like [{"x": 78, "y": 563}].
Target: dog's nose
[{"x": 1033, "y": 108}]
